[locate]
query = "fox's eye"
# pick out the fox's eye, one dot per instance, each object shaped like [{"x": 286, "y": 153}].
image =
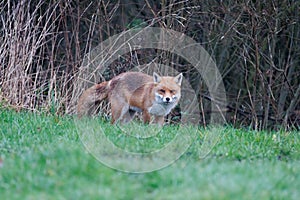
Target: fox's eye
[
  {"x": 162, "y": 91},
  {"x": 172, "y": 91}
]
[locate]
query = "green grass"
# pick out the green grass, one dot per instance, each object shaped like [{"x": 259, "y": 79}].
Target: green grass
[{"x": 43, "y": 157}]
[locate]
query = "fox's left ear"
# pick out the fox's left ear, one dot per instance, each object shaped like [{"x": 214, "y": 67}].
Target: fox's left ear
[
  {"x": 178, "y": 79},
  {"x": 156, "y": 78}
]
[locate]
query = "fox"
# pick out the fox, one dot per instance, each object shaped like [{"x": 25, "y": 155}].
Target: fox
[{"x": 131, "y": 92}]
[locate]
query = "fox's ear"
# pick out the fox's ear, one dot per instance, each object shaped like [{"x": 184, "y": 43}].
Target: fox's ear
[
  {"x": 156, "y": 78},
  {"x": 178, "y": 79}
]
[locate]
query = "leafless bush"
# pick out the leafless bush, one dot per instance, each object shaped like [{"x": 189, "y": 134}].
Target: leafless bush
[{"x": 254, "y": 43}]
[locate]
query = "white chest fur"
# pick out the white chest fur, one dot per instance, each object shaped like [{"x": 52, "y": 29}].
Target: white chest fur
[{"x": 161, "y": 109}]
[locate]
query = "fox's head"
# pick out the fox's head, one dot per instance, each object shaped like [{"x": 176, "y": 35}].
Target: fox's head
[{"x": 167, "y": 89}]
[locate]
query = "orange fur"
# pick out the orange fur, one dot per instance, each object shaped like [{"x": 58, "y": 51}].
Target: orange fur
[{"x": 133, "y": 92}]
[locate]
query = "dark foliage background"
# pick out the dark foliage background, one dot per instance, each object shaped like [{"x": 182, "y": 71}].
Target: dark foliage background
[{"x": 254, "y": 43}]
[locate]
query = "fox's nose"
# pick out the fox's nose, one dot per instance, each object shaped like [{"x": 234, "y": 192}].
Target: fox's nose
[{"x": 168, "y": 99}]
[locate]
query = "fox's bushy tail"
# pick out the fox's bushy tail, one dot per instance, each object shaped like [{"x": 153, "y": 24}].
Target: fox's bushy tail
[{"x": 91, "y": 97}]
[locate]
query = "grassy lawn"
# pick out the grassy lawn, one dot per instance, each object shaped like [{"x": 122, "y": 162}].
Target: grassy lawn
[{"x": 43, "y": 157}]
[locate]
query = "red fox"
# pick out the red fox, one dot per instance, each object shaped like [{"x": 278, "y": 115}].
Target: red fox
[{"x": 132, "y": 92}]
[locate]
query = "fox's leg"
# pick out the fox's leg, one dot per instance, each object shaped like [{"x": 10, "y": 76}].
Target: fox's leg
[
  {"x": 118, "y": 109},
  {"x": 159, "y": 120},
  {"x": 128, "y": 116},
  {"x": 115, "y": 114},
  {"x": 146, "y": 116}
]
